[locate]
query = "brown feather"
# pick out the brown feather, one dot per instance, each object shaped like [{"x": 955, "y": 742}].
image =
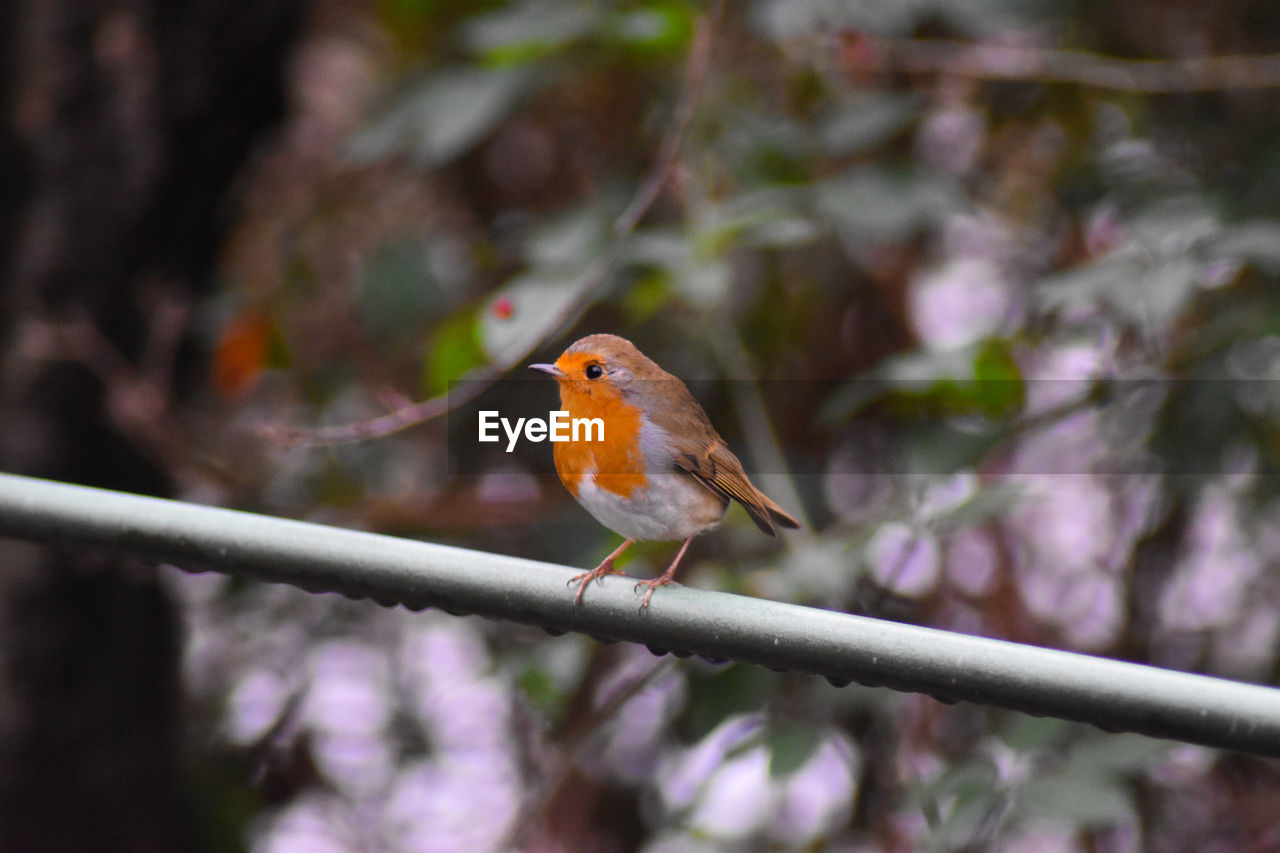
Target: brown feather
[{"x": 700, "y": 451}]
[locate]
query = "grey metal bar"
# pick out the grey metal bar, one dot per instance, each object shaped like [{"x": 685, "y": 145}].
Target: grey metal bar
[{"x": 1110, "y": 694}]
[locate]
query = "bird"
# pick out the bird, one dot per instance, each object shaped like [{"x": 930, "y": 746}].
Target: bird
[{"x": 660, "y": 471}]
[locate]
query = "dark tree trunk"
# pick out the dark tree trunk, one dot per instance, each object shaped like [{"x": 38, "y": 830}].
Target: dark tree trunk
[{"x": 124, "y": 126}]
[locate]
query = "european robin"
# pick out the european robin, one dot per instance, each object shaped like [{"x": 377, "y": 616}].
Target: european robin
[{"x": 660, "y": 471}]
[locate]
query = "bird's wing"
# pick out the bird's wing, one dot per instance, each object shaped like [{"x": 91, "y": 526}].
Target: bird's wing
[
  {"x": 714, "y": 465},
  {"x": 698, "y": 450},
  {"x": 719, "y": 470}
]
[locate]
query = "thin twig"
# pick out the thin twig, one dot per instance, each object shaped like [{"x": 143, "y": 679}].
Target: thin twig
[
  {"x": 695, "y": 73},
  {"x": 1049, "y": 65},
  {"x": 476, "y": 383},
  {"x": 586, "y": 285}
]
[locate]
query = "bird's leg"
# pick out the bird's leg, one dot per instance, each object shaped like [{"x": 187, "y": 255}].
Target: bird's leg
[
  {"x": 605, "y": 568},
  {"x": 665, "y": 578}
]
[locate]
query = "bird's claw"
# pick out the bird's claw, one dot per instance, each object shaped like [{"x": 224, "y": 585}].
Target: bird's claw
[
  {"x": 652, "y": 584},
  {"x": 597, "y": 574}
]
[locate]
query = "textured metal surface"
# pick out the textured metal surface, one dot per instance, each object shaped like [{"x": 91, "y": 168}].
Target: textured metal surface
[{"x": 1110, "y": 694}]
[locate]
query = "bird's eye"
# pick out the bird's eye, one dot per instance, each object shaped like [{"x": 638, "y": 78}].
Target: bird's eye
[{"x": 594, "y": 371}]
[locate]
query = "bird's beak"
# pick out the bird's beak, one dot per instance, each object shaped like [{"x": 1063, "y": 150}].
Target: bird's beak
[{"x": 550, "y": 368}]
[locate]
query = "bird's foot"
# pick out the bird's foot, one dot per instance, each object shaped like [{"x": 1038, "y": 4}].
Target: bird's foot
[
  {"x": 652, "y": 584},
  {"x": 597, "y": 574},
  {"x": 667, "y": 577},
  {"x": 605, "y": 568}
]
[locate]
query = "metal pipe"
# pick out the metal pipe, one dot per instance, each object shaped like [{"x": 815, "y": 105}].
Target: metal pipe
[{"x": 1113, "y": 695}]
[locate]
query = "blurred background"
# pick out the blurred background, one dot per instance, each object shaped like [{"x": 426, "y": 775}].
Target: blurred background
[{"x": 996, "y": 285}]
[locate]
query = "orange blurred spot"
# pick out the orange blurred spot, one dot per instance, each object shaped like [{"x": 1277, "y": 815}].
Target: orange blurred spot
[{"x": 240, "y": 354}]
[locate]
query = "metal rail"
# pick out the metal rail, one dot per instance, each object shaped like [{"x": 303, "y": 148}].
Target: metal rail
[{"x": 1110, "y": 694}]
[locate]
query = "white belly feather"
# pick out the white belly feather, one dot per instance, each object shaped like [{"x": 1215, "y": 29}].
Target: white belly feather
[{"x": 673, "y": 507}]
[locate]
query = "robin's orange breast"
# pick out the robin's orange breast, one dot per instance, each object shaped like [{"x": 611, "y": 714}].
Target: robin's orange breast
[{"x": 616, "y": 463}]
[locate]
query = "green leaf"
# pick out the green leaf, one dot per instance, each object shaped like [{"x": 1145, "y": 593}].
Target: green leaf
[
  {"x": 851, "y": 399},
  {"x": 767, "y": 218},
  {"x": 818, "y": 569},
  {"x": 454, "y": 349},
  {"x": 1024, "y": 732},
  {"x": 790, "y": 746},
  {"x": 696, "y": 270},
  {"x": 1257, "y": 242},
  {"x": 867, "y": 122},
  {"x": 526, "y": 32},
  {"x": 660, "y": 247},
  {"x": 539, "y": 689},
  {"x": 722, "y": 693},
  {"x": 705, "y": 284},
  {"x": 522, "y": 313},
  {"x": 441, "y": 118},
  {"x": 647, "y": 296},
  {"x": 395, "y": 292},
  {"x": 964, "y": 795},
  {"x": 936, "y": 446},
  {"x": 568, "y": 241},
  {"x": 1091, "y": 802},
  {"x": 982, "y": 380},
  {"x": 1118, "y": 753},
  {"x": 657, "y": 28},
  {"x": 990, "y": 502},
  {"x": 547, "y": 672},
  {"x": 999, "y": 390},
  {"x": 976, "y": 774},
  {"x": 1151, "y": 276},
  {"x": 885, "y": 206}
]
